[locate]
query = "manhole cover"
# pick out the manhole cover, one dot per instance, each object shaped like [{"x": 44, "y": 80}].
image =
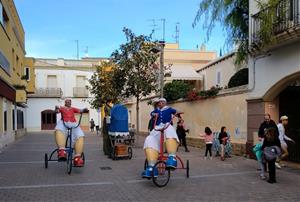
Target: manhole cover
[{"x": 105, "y": 168}]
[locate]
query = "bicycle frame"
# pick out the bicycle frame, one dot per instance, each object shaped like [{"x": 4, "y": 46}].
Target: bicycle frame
[{"x": 161, "y": 156}]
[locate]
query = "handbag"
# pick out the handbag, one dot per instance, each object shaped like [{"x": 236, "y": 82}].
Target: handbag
[{"x": 272, "y": 153}]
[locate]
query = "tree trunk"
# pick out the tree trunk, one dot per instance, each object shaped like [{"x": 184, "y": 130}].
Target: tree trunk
[{"x": 137, "y": 119}]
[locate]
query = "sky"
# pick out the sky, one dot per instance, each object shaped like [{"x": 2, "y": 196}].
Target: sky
[{"x": 52, "y": 27}]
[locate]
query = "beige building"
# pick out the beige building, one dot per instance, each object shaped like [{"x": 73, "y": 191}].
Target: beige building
[
  {"x": 274, "y": 72},
  {"x": 219, "y": 71},
  {"x": 184, "y": 63},
  {"x": 14, "y": 78}
]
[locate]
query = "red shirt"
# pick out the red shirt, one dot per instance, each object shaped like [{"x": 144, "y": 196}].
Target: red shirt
[{"x": 68, "y": 114}]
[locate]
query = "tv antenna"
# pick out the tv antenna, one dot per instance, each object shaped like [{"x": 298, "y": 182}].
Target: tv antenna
[
  {"x": 154, "y": 27},
  {"x": 177, "y": 31}
]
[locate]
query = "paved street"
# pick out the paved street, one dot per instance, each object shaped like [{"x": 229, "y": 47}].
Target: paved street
[{"x": 24, "y": 178}]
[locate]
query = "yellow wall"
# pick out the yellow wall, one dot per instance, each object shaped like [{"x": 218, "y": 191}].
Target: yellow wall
[
  {"x": 29, "y": 62},
  {"x": 12, "y": 45},
  {"x": 229, "y": 111}
]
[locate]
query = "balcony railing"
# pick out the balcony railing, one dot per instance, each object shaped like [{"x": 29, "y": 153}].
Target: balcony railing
[
  {"x": 80, "y": 92},
  {"x": 285, "y": 25},
  {"x": 47, "y": 92}
]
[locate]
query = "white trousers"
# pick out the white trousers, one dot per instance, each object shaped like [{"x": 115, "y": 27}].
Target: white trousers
[
  {"x": 76, "y": 132},
  {"x": 153, "y": 139}
]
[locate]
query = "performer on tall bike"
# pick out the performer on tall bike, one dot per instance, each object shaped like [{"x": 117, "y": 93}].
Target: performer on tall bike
[{"x": 163, "y": 115}]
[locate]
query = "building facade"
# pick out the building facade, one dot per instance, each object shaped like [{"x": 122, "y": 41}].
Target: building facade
[
  {"x": 56, "y": 80},
  {"x": 274, "y": 71},
  {"x": 218, "y": 72},
  {"x": 13, "y": 78}
]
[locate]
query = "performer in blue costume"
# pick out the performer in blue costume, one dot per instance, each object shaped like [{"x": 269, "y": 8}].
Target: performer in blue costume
[{"x": 152, "y": 143}]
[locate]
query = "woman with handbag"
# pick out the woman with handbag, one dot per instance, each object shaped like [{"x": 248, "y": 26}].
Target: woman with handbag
[{"x": 271, "y": 150}]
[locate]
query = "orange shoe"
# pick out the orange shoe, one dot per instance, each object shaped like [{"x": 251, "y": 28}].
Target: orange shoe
[
  {"x": 78, "y": 161},
  {"x": 61, "y": 155}
]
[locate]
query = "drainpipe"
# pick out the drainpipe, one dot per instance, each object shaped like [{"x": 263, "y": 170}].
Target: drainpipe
[{"x": 254, "y": 67}]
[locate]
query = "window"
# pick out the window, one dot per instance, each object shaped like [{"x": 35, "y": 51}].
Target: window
[
  {"x": 5, "y": 120},
  {"x": 3, "y": 16},
  {"x": 80, "y": 81},
  {"x": 51, "y": 81},
  {"x": 13, "y": 119},
  {"x": 20, "y": 119},
  {"x": 218, "y": 79},
  {"x": 27, "y": 73}
]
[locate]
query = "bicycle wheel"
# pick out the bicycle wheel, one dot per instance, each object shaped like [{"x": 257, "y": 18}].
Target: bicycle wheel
[
  {"x": 46, "y": 160},
  {"x": 145, "y": 164},
  {"x": 69, "y": 162},
  {"x": 83, "y": 157},
  {"x": 187, "y": 168},
  {"x": 163, "y": 174}
]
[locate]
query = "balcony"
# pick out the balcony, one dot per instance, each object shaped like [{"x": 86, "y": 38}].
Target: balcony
[
  {"x": 285, "y": 26},
  {"x": 47, "y": 92},
  {"x": 80, "y": 92}
]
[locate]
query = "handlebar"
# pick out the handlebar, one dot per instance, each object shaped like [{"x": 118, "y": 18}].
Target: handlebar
[{"x": 72, "y": 127}]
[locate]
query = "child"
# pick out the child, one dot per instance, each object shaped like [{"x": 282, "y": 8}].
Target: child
[
  {"x": 259, "y": 156},
  {"x": 208, "y": 141}
]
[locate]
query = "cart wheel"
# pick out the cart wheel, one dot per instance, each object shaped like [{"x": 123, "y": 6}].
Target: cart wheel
[
  {"x": 46, "y": 160},
  {"x": 83, "y": 157},
  {"x": 113, "y": 155},
  {"x": 69, "y": 162},
  {"x": 129, "y": 152},
  {"x": 187, "y": 168},
  {"x": 163, "y": 174}
]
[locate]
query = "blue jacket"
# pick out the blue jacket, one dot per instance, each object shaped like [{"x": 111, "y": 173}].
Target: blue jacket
[
  {"x": 164, "y": 114},
  {"x": 258, "y": 151}
]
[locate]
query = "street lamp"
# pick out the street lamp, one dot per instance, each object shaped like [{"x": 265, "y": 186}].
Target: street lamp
[{"x": 160, "y": 49}]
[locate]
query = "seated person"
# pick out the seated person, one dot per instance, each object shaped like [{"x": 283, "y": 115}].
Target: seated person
[
  {"x": 68, "y": 116},
  {"x": 152, "y": 143}
]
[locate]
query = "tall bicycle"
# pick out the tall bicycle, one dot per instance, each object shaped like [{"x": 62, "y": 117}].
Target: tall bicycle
[
  {"x": 68, "y": 148},
  {"x": 164, "y": 174}
]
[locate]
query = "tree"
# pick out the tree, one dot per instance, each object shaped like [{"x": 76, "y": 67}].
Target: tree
[
  {"x": 176, "y": 90},
  {"x": 233, "y": 16},
  {"x": 136, "y": 69},
  {"x": 102, "y": 85}
]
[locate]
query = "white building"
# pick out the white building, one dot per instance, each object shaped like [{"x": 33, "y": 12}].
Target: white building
[
  {"x": 56, "y": 80},
  {"x": 274, "y": 71}
]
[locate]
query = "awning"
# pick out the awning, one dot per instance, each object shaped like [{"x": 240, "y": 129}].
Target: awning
[{"x": 183, "y": 72}]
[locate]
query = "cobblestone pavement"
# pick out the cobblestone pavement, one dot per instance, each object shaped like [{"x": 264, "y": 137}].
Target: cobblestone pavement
[{"x": 24, "y": 178}]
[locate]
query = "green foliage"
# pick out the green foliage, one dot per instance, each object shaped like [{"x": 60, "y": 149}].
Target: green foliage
[
  {"x": 135, "y": 73},
  {"x": 239, "y": 78},
  {"x": 233, "y": 15},
  {"x": 212, "y": 92},
  {"x": 102, "y": 85},
  {"x": 268, "y": 16},
  {"x": 176, "y": 90}
]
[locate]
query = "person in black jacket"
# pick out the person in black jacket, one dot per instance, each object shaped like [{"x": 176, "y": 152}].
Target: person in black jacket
[
  {"x": 264, "y": 126},
  {"x": 181, "y": 132},
  {"x": 271, "y": 139},
  {"x": 223, "y": 137}
]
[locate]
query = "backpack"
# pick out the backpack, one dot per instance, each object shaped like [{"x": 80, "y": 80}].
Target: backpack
[{"x": 272, "y": 153}]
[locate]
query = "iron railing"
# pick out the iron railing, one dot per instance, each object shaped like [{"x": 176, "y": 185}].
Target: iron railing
[
  {"x": 47, "y": 92},
  {"x": 286, "y": 18}
]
